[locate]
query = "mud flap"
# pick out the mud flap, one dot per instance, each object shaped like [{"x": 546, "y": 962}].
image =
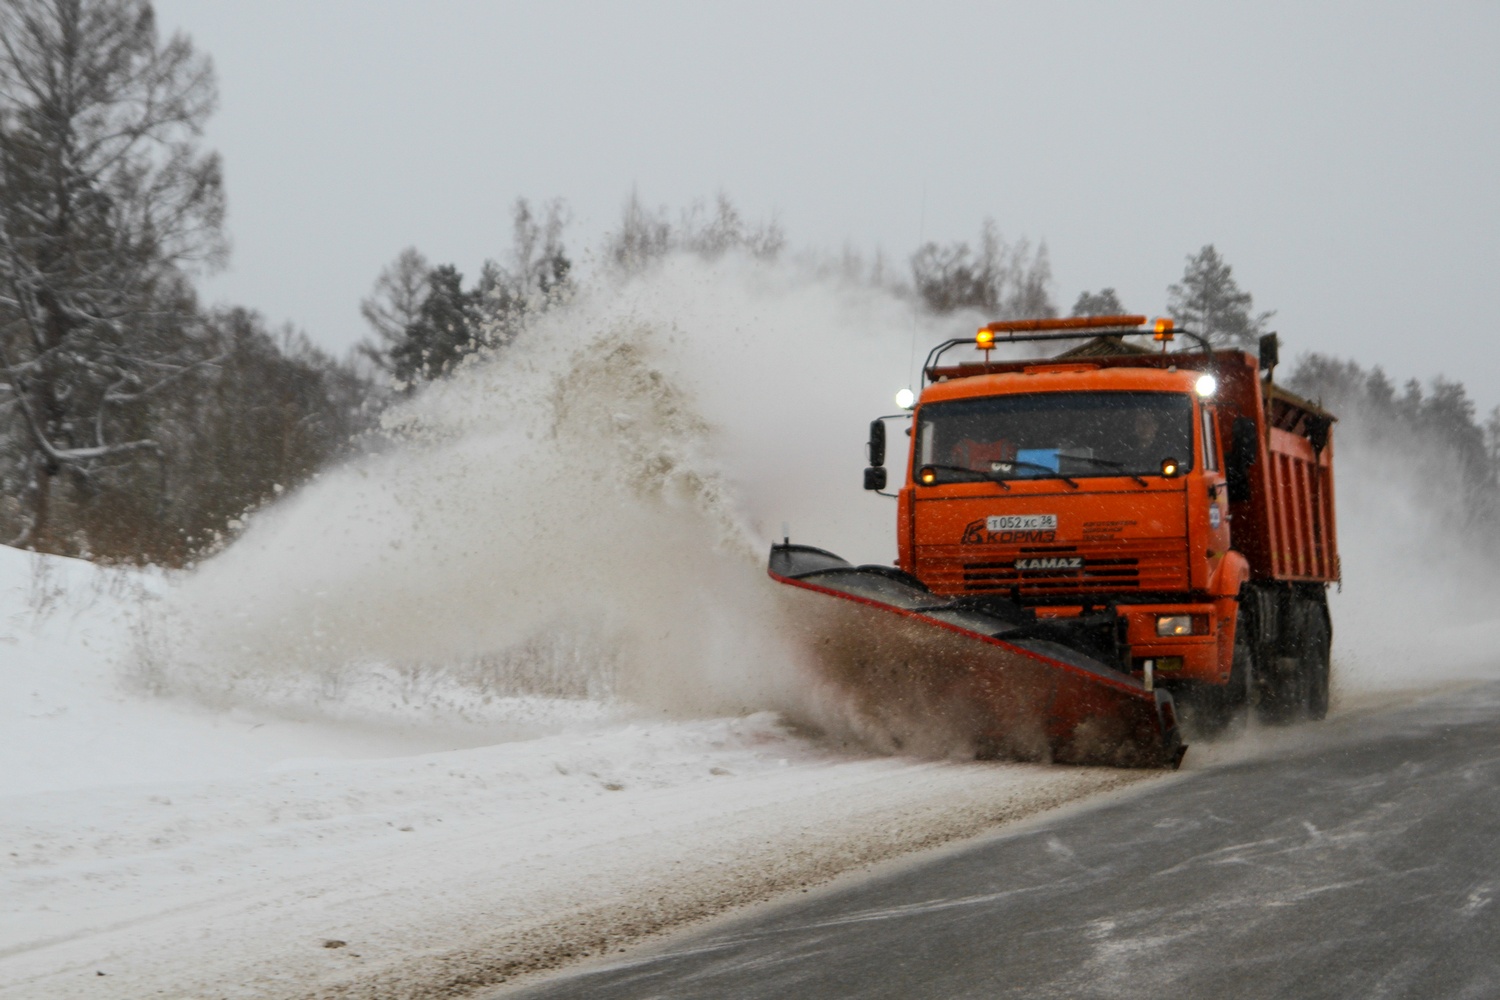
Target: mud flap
[{"x": 940, "y": 676}]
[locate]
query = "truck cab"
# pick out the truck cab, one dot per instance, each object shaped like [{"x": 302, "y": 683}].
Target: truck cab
[
  {"x": 1134, "y": 484},
  {"x": 1065, "y": 487}
]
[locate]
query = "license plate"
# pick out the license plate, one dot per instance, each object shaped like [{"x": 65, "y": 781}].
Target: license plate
[{"x": 1021, "y": 522}]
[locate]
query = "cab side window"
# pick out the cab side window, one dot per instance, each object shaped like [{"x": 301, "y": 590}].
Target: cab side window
[{"x": 1210, "y": 442}]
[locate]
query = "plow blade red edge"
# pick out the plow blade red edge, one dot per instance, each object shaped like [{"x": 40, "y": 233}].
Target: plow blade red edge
[{"x": 920, "y": 662}]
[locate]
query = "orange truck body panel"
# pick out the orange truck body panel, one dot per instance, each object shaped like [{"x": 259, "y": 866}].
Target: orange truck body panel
[{"x": 1175, "y": 546}]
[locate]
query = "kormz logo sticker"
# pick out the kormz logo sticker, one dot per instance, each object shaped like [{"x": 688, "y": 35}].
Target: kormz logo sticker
[{"x": 1000, "y": 529}]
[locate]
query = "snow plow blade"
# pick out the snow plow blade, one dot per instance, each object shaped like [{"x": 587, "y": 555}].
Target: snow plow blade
[{"x": 983, "y": 676}]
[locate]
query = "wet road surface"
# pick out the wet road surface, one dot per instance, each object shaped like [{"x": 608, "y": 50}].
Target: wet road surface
[{"x": 1356, "y": 858}]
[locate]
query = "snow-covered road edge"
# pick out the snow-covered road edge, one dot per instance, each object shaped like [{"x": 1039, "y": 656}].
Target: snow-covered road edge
[
  {"x": 150, "y": 846},
  {"x": 452, "y": 910},
  {"x": 847, "y": 818},
  {"x": 626, "y": 834}
]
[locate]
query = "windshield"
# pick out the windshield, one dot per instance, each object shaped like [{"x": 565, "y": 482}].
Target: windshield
[{"x": 1055, "y": 434}]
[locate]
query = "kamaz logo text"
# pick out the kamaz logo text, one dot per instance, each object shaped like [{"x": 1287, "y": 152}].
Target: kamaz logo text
[{"x": 1050, "y": 562}]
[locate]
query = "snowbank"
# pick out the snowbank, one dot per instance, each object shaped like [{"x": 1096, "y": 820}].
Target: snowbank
[{"x": 154, "y": 847}]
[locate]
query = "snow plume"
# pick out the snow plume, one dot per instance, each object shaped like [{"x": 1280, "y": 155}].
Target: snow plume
[
  {"x": 577, "y": 526},
  {"x": 1420, "y": 602},
  {"x": 584, "y": 515}
]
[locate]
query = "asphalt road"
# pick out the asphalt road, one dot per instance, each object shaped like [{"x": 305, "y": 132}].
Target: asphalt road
[{"x": 1359, "y": 857}]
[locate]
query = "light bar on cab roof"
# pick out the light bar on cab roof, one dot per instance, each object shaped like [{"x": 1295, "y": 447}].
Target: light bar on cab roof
[
  {"x": 1068, "y": 323},
  {"x": 1016, "y": 331}
]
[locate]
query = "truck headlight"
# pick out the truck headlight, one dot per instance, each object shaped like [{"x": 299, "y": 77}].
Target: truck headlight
[{"x": 1174, "y": 624}]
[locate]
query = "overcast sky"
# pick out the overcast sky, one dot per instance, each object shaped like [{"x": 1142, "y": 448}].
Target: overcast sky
[{"x": 1342, "y": 157}]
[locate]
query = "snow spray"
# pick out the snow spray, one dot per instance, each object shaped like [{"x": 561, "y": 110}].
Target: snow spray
[
  {"x": 583, "y": 515},
  {"x": 1420, "y": 602},
  {"x": 583, "y": 518}
]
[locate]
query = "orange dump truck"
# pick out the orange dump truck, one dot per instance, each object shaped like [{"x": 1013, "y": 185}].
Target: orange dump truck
[{"x": 1165, "y": 516}]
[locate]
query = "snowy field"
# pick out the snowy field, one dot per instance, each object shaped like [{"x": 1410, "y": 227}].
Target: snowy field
[{"x": 513, "y": 687}]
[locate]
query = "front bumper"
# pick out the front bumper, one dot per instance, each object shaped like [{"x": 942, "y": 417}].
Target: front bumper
[{"x": 1205, "y": 656}]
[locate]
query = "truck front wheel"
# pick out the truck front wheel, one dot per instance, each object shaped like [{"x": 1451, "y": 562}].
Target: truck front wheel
[{"x": 1215, "y": 710}]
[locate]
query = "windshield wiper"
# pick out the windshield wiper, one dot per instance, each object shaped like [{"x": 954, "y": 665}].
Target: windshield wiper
[
  {"x": 982, "y": 476},
  {"x": 1051, "y": 472},
  {"x": 1106, "y": 463}
]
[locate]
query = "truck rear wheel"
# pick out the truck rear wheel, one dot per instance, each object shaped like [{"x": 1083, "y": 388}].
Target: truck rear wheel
[
  {"x": 1316, "y": 662},
  {"x": 1296, "y": 684}
]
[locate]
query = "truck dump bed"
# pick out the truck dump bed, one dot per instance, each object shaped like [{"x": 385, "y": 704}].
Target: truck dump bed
[
  {"x": 1293, "y": 509},
  {"x": 1285, "y": 527}
]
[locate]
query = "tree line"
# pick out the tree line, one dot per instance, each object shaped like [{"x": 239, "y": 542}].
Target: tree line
[
  {"x": 136, "y": 425},
  {"x": 1433, "y": 433},
  {"x": 425, "y": 322}
]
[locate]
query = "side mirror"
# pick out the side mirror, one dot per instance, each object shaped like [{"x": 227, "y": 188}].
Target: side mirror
[
  {"x": 1244, "y": 446},
  {"x": 875, "y": 478},
  {"x": 877, "y": 443}
]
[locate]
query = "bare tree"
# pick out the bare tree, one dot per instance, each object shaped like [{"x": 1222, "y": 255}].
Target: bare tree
[
  {"x": 394, "y": 304},
  {"x": 1003, "y": 281},
  {"x": 105, "y": 199},
  {"x": 645, "y": 235},
  {"x": 712, "y": 234},
  {"x": 1492, "y": 439},
  {"x": 1028, "y": 294},
  {"x": 537, "y": 253},
  {"x": 1101, "y": 303},
  {"x": 268, "y": 414},
  {"x": 537, "y": 277}
]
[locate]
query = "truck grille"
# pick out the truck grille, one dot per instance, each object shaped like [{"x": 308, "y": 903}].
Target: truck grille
[
  {"x": 1149, "y": 565},
  {"x": 1095, "y": 574}
]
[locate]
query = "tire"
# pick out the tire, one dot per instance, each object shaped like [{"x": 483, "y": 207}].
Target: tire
[
  {"x": 1316, "y": 662},
  {"x": 1283, "y": 688},
  {"x": 1296, "y": 687}
]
